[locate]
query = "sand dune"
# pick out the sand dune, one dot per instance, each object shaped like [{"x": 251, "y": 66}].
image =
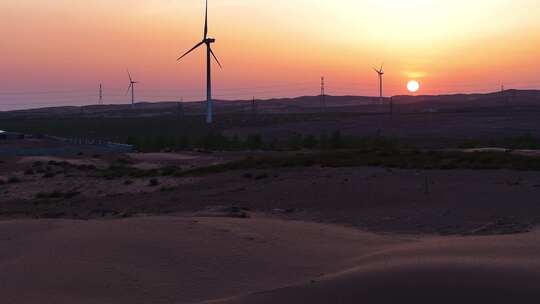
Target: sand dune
[
  {"x": 434, "y": 281},
  {"x": 257, "y": 260},
  {"x": 439, "y": 270},
  {"x": 167, "y": 259}
]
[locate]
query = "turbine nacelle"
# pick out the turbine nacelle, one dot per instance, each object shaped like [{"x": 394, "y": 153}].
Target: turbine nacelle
[
  {"x": 209, "y": 40},
  {"x": 379, "y": 71},
  {"x": 131, "y": 82}
]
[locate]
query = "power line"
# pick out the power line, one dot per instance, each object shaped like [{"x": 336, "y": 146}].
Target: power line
[{"x": 42, "y": 92}]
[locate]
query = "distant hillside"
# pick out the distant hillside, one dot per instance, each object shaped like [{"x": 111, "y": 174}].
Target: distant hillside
[{"x": 303, "y": 104}]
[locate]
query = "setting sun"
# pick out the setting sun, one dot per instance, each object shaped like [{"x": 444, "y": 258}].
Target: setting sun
[{"x": 413, "y": 86}]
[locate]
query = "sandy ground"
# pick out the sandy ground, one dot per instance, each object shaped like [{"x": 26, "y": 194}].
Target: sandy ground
[
  {"x": 456, "y": 270},
  {"x": 71, "y": 178},
  {"x": 257, "y": 260},
  {"x": 147, "y": 161},
  {"x": 529, "y": 153},
  {"x": 398, "y": 201},
  {"x": 168, "y": 259},
  {"x": 288, "y": 235},
  {"x": 29, "y": 160}
]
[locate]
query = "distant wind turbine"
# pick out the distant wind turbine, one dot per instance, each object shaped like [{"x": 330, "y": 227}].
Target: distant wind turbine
[
  {"x": 380, "y": 72},
  {"x": 208, "y": 41},
  {"x": 132, "y": 88},
  {"x": 100, "y": 94}
]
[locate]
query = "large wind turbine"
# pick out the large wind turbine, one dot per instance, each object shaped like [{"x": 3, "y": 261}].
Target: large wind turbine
[
  {"x": 208, "y": 41},
  {"x": 132, "y": 88},
  {"x": 380, "y": 72}
]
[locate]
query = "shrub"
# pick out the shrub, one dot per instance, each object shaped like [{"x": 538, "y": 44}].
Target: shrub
[
  {"x": 336, "y": 142},
  {"x": 310, "y": 142},
  {"x": 261, "y": 176},
  {"x": 57, "y": 195},
  {"x": 49, "y": 175},
  {"x": 13, "y": 180},
  {"x": 254, "y": 142},
  {"x": 167, "y": 189},
  {"x": 124, "y": 161}
]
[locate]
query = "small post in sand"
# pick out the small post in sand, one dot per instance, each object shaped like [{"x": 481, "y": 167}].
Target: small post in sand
[{"x": 426, "y": 185}]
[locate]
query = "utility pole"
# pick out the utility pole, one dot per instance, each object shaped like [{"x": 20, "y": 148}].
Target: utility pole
[
  {"x": 180, "y": 109},
  {"x": 512, "y": 98},
  {"x": 323, "y": 95},
  {"x": 502, "y": 94},
  {"x": 253, "y": 107},
  {"x": 100, "y": 94}
]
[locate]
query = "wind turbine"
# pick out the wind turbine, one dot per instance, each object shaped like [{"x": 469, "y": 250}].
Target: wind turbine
[
  {"x": 380, "y": 72},
  {"x": 209, "y": 53},
  {"x": 132, "y": 88},
  {"x": 100, "y": 94}
]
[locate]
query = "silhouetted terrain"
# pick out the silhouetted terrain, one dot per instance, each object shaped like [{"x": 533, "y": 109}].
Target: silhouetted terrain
[
  {"x": 451, "y": 121},
  {"x": 304, "y": 104}
]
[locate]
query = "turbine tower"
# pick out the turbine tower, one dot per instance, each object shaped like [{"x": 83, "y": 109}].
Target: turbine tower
[
  {"x": 380, "y": 72},
  {"x": 132, "y": 88},
  {"x": 209, "y": 53}
]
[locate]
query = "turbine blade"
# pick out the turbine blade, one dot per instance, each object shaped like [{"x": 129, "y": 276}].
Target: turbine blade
[
  {"x": 214, "y": 55},
  {"x": 130, "y": 85},
  {"x": 206, "y": 21},
  {"x": 192, "y": 49},
  {"x": 375, "y": 69},
  {"x": 130, "y": 79}
]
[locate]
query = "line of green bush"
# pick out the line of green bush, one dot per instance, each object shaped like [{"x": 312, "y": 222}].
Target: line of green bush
[
  {"x": 400, "y": 159},
  {"x": 389, "y": 158},
  {"x": 217, "y": 141},
  {"x": 527, "y": 141}
]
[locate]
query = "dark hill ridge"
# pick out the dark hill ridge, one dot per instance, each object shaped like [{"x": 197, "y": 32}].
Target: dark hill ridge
[{"x": 302, "y": 104}]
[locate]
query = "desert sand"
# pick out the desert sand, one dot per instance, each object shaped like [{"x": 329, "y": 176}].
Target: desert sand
[
  {"x": 438, "y": 270},
  {"x": 69, "y": 234},
  {"x": 168, "y": 259},
  {"x": 257, "y": 260}
]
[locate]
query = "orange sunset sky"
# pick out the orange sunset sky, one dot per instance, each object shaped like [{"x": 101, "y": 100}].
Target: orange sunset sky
[{"x": 56, "y": 52}]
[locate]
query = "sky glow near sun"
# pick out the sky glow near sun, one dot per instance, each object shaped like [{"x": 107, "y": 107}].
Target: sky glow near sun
[{"x": 269, "y": 48}]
